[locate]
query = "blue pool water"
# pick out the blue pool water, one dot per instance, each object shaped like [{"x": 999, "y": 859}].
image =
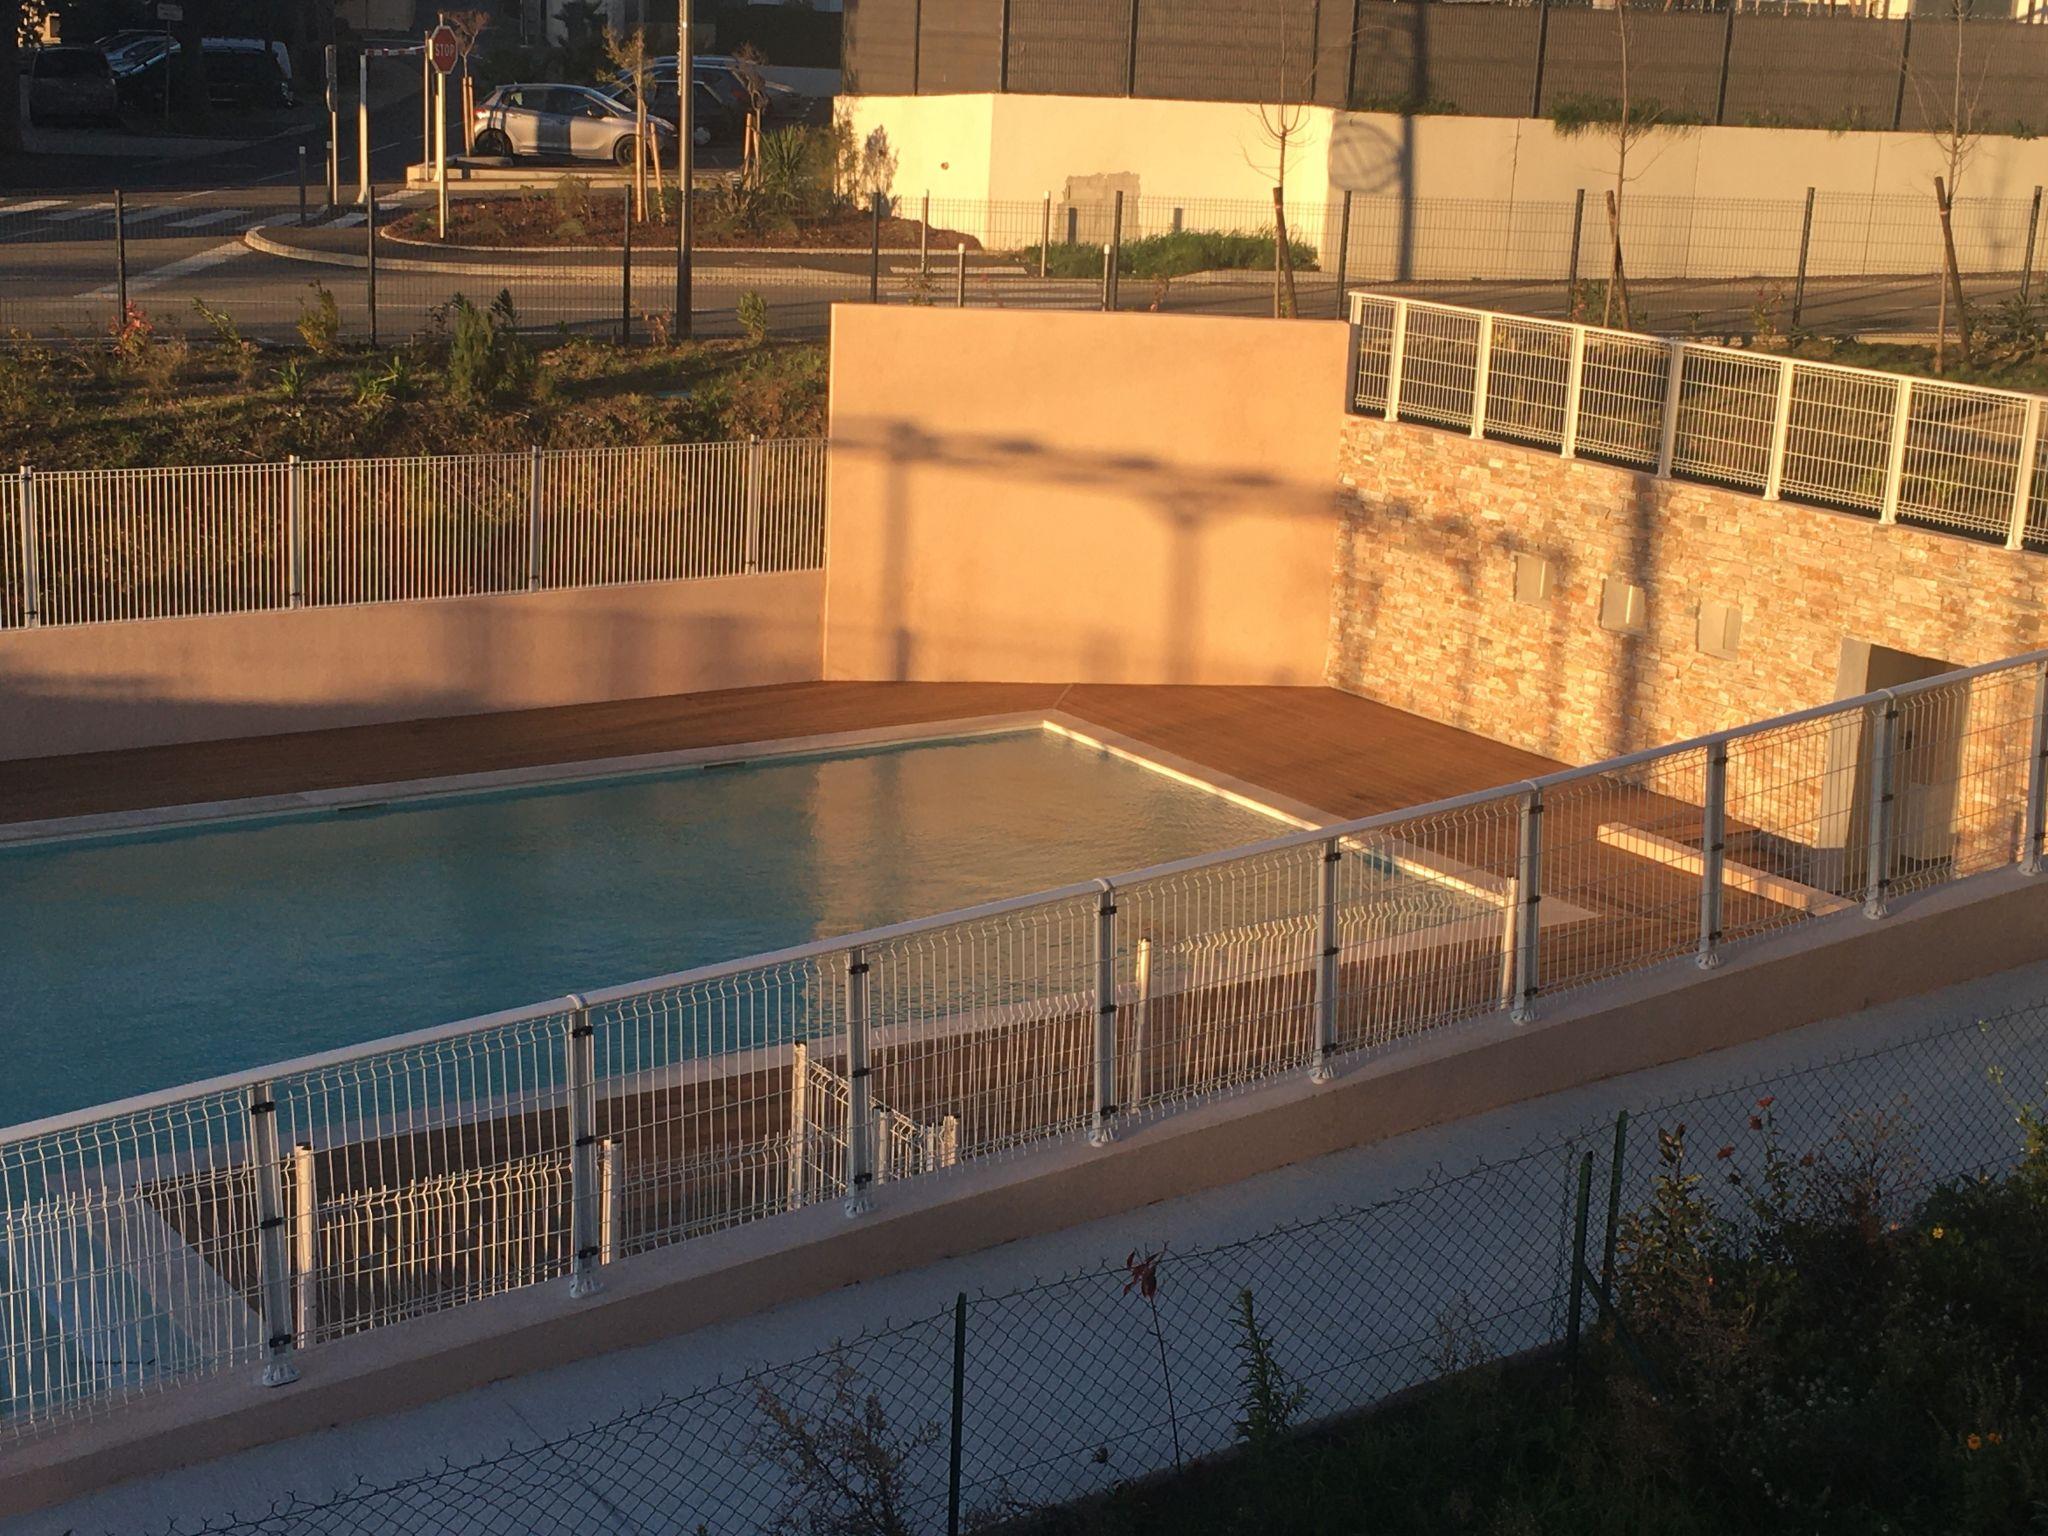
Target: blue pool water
[{"x": 147, "y": 962}]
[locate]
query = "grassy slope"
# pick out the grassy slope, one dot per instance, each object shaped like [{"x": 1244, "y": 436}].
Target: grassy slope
[{"x": 217, "y": 404}]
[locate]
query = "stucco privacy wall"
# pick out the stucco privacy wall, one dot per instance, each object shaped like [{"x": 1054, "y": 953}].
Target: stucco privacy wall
[
  {"x": 1016, "y": 149},
  {"x": 1424, "y": 613},
  {"x": 1080, "y": 497},
  {"x": 96, "y": 687}
]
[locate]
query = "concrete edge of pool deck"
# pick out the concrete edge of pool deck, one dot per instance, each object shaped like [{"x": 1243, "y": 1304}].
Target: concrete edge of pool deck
[
  {"x": 1820, "y": 970},
  {"x": 218, "y": 813}
]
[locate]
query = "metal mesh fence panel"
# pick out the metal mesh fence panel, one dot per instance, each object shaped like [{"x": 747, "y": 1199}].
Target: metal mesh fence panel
[
  {"x": 97, "y": 546},
  {"x": 1082, "y": 1383}
]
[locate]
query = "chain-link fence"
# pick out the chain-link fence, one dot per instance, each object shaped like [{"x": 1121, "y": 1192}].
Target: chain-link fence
[
  {"x": 1833, "y": 262},
  {"x": 1014, "y": 1400}
]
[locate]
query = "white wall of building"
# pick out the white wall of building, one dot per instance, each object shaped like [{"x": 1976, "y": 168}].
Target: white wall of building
[{"x": 1018, "y": 150}]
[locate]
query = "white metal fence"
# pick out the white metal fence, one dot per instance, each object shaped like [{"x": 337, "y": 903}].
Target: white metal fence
[
  {"x": 249, "y": 1221},
  {"x": 1958, "y": 457},
  {"x": 93, "y": 546}
]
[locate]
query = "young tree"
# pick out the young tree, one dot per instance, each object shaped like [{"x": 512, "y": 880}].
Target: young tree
[
  {"x": 1283, "y": 122},
  {"x": 629, "y": 56},
  {"x": 1948, "y": 98}
]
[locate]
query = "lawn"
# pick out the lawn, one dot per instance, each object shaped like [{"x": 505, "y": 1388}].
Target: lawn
[{"x": 150, "y": 401}]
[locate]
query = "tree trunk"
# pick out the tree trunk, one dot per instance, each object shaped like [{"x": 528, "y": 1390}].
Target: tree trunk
[
  {"x": 1955, "y": 277},
  {"x": 1617, "y": 273},
  {"x": 1285, "y": 301}
]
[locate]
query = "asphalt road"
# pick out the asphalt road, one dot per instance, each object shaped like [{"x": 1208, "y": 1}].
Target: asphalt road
[{"x": 60, "y": 275}]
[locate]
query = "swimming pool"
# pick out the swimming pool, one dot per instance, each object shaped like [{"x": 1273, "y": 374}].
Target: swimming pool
[{"x": 143, "y": 962}]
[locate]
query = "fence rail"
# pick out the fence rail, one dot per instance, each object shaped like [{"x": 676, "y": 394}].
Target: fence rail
[
  {"x": 1958, "y": 457},
  {"x": 95, "y": 546},
  {"x": 199, "y": 1229}
]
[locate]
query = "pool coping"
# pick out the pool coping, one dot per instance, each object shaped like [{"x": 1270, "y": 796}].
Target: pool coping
[{"x": 211, "y": 813}]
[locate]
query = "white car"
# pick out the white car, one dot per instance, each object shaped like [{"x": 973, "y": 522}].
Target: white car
[{"x": 572, "y": 120}]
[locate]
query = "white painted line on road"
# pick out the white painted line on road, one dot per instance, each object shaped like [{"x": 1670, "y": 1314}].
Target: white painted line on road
[
  {"x": 80, "y": 212},
  {"x": 208, "y": 258},
  {"x": 347, "y": 221},
  {"x": 48, "y": 202},
  {"x": 201, "y": 220}
]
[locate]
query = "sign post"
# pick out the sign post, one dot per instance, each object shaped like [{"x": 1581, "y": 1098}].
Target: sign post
[
  {"x": 168, "y": 12},
  {"x": 444, "y": 50},
  {"x": 333, "y": 131},
  {"x": 363, "y": 129}
]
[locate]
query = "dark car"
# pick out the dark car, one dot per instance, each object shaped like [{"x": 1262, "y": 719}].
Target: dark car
[
  {"x": 238, "y": 79},
  {"x": 71, "y": 85},
  {"x": 713, "y": 121}
]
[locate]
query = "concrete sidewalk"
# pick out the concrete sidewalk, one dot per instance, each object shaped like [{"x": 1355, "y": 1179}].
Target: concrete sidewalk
[{"x": 1949, "y": 1091}]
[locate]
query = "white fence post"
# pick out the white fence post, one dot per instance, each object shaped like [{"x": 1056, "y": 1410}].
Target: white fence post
[
  {"x": 799, "y": 1120},
  {"x": 1895, "y": 455},
  {"x": 2037, "y": 777},
  {"x": 1574, "y": 385},
  {"x": 1674, "y": 388},
  {"x": 1141, "y": 1022},
  {"x": 273, "y": 1259},
  {"x": 610, "y": 1208},
  {"x": 533, "y": 521},
  {"x": 860, "y": 1116},
  {"x": 31, "y": 566},
  {"x": 1397, "y": 348},
  {"x": 1714, "y": 852},
  {"x": 1482, "y": 369},
  {"x": 1781, "y": 428},
  {"x": 306, "y": 1243},
  {"x": 1528, "y": 909},
  {"x": 1878, "y": 818},
  {"x": 295, "y": 532},
  {"x": 2023, "y": 477},
  {"x": 752, "y": 498},
  {"x": 1328, "y": 951},
  {"x": 579, "y": 1053},
  {"x": 1103, "y": 1130}
]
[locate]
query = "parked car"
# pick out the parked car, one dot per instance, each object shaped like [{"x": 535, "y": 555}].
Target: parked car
[
  {"x": 241, "y": 76},
  {"x": 71, "y": 85},
  {"x": 726, "y": 80},
  {"x": 710, "y": 122},
  {"x": 578, "y": 121}
]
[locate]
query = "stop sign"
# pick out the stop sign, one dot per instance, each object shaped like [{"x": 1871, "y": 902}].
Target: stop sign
[{"x": 444, "y": 48}]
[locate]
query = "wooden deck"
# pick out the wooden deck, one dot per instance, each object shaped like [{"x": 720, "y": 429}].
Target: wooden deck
[{"x": 1347, "y": 755}]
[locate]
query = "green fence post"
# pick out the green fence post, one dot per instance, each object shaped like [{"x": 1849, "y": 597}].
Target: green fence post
[
  {"x": 959, "y": 1412},
  {"x": 1613, "y": 1202},
  {"x": 1572, "y": 1309}
]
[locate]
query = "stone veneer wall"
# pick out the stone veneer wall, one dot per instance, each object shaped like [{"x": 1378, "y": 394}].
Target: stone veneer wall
[{"x": 1424, "y": 614}]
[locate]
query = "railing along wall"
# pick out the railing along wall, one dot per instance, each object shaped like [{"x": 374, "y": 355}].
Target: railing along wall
[
  {"x": 98, "y": 546},
  {"x": 251, "y": 1221},
  {"x": 1958, "y": 457}
]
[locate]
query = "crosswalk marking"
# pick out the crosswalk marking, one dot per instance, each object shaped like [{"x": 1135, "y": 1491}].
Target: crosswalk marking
[
  {"x": 211, "y": 257},
  {"x": 48, "y": 202},
  {"x": 201, "y": 220},
  {"x": 84, "y": 210}
]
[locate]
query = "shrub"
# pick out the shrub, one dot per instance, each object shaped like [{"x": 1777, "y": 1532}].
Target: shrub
[
  {"x": 320, "y": 322},
  {"x": 1164, "y": 257},
  {"x": 488, "y": 363},
  {"x": 753, "y": 317}
]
